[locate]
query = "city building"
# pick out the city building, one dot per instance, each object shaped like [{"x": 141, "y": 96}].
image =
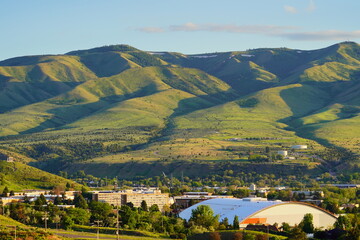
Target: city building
[
  {"x": 190, "y": 198},
  {"x": 344, "y": 185},
  {"x": 261, "y": 211},
  {"x": 119, "y": 198},
  {"x": 32, "y": 195}
]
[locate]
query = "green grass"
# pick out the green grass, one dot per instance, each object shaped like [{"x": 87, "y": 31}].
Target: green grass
[
  {"x": 179, "y": 107},
  {"x": 7, "y": 221},
  {"x": 18, "y": 176}
]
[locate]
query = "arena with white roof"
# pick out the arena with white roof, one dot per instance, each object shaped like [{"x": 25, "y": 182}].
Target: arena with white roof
[{"x": 261, "y": 211}]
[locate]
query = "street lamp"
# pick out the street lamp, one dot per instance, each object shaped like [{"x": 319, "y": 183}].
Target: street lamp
[{"x": 45, "y": 218}]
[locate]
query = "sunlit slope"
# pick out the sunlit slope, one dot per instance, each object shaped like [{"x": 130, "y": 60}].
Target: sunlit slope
[
  {"x": 149, "y": 106},
  {"x": 269, "y": 107},
  {"x": 256, "y": 69},
  {"x": 17, "y": 176},
  {"x": 127, "y": 94},
  {"x": 205, "y": 133},
  {"x": 111, "y": 60},
  {"x": 337, "y": 124},
  {"x": 43, "y": 78}
]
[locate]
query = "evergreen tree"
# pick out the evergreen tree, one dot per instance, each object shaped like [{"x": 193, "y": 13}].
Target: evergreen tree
[
  {"x": 225, "y": 222},
  {"x": 5, "y": 192},
  {"x": 236, "y": 224},
  {"x": 144, "y": 206},
  {"x": 40, "y": 200},
  {"x": 57, "y": 200},
  {"x": 80, "y": 202},
  {"x": 307, "y": 223}
]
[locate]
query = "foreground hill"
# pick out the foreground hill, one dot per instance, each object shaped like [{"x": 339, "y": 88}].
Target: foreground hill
[
  {"x": 18, "y": 176},
  {"x": 117, "y": 104}
]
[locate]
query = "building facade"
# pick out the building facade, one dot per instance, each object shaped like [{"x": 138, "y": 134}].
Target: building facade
[{"x": 119, "y": 198}]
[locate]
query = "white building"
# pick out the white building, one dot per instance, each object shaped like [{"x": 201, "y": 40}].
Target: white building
[
  {"x": 261, "y": 211},
  {"x": 299, "y": 147},
  {"x": 283, "y": 153}
]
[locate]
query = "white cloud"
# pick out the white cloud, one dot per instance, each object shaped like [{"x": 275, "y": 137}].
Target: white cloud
[
  {"x": 290, "y": 9},
  {"x": 288, "y": 32},
  {"x": 185, "y": 27},
  {"x": 151, "y": 29},
  {"x": 322, "y": 35},
  {"x": 232, "y": 28},
  {"x": 311, "y": 7}
]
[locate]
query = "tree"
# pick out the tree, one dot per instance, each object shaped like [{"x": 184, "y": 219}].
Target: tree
[
  {"x": 40, "y": 200},
  {"x": 80, "y": 202},
  {"x": 297, "y": 234},
  {"x": 236, "y": 224},
  {"x": 67, "y": 222},
  {"x": 225, "y": 222},
  {"x": 203, "y": 216},
  {"x": 307, "y": 224},
  {"x": 5, "y": 192},
  {"x": 57, "y": 200},
  {"x": 267, "y": 150},
  {"x": 342, "y": 222},
  {"x": 144, "y": 206},
  {"x": 100, "y": 211},
  {"x": 285, "y": 227},
  {"x": 154, "y": 208},
  {"x": 78, "y": 215}
]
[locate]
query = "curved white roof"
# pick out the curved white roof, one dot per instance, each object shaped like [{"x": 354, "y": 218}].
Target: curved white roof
[{"x": 229, "y": 207}]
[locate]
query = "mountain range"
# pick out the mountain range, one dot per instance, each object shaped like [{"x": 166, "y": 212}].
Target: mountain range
[{"x": 118, "y": 104}]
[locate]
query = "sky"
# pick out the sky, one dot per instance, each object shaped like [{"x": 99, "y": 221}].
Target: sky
[{"x": 37, "y": 27}]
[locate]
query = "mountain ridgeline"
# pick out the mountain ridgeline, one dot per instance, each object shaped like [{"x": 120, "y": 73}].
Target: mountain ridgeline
[{"x": 115, "y": 104}]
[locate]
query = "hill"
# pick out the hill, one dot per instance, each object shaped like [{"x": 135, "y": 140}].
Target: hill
[
  {"x": 18, "y": 176},
  {"x": 115, "y": 104}
]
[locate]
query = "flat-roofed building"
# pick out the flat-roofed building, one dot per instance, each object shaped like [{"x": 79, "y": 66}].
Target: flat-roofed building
[
  {"x": 135, "y": 197},
  {"x": 190, "y": 198}
]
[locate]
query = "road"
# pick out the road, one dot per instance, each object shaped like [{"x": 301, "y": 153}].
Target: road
[{"x": 86, "y": 235}]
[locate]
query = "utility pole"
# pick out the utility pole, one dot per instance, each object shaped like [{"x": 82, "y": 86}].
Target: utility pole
[
  {"x": 45, "y": 218},
  {"x": 182, "y": 178},
  {"x": 98, "y": 223},
  {"x": 117, "y": 218}
]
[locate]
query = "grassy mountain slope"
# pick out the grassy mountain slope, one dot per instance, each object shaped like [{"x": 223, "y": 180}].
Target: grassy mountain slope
[
  {"x": 17, "y": 176},
  {"x": 116, "y": 103}
]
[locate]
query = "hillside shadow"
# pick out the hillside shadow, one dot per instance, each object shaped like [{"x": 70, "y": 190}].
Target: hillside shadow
[
  {"x": 69, "y": 114},
  {"x": 187, "y": 106},
  {"x": 18, "y": 94},
  {"x": 105, "y": 64}
]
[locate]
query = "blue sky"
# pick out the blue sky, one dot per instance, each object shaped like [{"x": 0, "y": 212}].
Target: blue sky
[{"x": 187, "y": 26}]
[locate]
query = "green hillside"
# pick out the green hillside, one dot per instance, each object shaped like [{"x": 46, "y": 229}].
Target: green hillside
[
  {"x": 18, "y": 176},
  {"x": 115, "y": 104}
]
